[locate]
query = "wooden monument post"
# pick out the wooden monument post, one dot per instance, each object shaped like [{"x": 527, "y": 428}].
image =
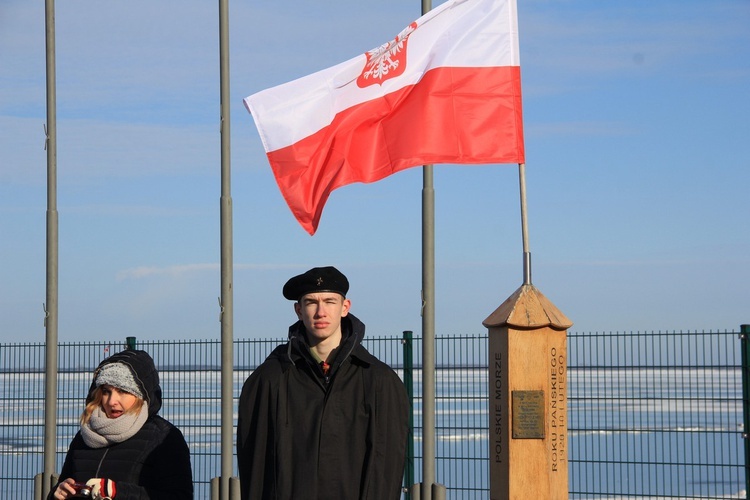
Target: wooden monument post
[{"x": 528, "y": 398}]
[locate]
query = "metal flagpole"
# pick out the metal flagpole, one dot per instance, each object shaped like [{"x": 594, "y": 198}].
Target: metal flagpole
[
  {"x": 227, "y": 294},
  {"x": 50, "y": 306},
  {"x": 428, "y": 324},
  {"x": 524, "y": 225},
  {"x": 428, "y": 333}
]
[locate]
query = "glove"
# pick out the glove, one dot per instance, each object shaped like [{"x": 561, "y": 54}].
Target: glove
[{"x": 102, "y": 488}]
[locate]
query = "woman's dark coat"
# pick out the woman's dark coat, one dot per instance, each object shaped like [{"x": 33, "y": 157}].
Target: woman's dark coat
[
  {"x": 154, "y": 464},
  {"x": 302, "y": 435}
]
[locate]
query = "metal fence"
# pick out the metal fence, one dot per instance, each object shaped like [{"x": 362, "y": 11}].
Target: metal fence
[{"x": 655, "y": 415}]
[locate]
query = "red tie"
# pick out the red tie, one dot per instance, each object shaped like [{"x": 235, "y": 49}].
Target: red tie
[{"x": 325, "y": 366}]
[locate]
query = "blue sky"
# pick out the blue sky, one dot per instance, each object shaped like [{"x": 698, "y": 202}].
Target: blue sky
[{"x": 638, "y": 164}]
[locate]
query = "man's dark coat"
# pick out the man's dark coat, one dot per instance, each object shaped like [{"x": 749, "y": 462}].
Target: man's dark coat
[{"x": 304, "y": 435}]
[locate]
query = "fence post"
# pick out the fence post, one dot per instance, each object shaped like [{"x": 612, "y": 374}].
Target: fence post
[
  {"x": 744, "y": 332},
  {"x": 409, "y": 383},
  {"x": 215, "y": 486},
  {"x": 130, "y": 343},
  {"x": 39, "y": 493}
]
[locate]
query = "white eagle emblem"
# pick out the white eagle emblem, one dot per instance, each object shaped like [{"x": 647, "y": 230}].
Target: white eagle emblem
[{"x": 386, "y": 61}]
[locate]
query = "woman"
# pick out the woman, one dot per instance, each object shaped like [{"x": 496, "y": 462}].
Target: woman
[{"x": 124, "y": 450}]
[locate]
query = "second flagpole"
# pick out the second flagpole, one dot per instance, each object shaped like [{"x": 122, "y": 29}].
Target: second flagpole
[
  {"x": 428, "y": 324},
  {"x": 524, "y": 225}
]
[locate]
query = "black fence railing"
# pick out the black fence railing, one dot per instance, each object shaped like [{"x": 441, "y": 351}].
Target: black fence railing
[{"x": 655, "y": 415}]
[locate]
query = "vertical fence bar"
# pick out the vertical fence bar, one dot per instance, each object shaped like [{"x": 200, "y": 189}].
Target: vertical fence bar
[
  {"x": 744, "y": 331},
  {"x": 409, "y": 383}
]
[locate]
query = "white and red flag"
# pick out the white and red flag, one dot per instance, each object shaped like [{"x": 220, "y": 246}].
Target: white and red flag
[{"x": 447, "y": 89}]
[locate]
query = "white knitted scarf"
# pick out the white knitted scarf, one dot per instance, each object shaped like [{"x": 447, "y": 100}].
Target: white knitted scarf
[{"x": 101, "y": 431}]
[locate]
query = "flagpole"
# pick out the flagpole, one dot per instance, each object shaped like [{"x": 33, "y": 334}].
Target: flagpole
[
  {"x": 428, "y": 323},
  {"x": 227, "y": 293},
  {"x": 428, "y": 329},
  {"x": 50, "y": 306},
  {"x": 524, "y": 225}
]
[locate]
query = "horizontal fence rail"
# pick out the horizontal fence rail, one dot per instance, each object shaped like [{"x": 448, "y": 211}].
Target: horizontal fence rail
[{"x": 650, "y": 414}]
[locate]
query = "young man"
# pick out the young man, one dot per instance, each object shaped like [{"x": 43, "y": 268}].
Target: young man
[{"x": 322, "y": 418}]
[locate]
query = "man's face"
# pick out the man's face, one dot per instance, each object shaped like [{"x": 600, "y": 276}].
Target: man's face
[{"x": 321, "y": 314}]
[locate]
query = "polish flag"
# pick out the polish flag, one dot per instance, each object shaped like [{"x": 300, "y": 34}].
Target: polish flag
[{"x": 447, "y": 89}]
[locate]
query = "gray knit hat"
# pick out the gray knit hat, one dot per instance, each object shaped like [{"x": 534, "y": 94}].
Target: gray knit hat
[{"x": 118, "y": 375}]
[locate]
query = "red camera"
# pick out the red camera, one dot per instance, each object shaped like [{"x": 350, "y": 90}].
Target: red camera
[{"x": 82, "y": 490}]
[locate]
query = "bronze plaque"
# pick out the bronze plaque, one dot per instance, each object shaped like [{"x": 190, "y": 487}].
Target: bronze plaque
[{"x": 528, "y": 414}]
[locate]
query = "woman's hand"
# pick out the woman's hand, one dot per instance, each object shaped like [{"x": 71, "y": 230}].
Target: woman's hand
[{"x": 65, "y": 489}]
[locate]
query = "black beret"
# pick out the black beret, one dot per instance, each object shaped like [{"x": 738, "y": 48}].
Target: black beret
[{"x": 317, "y": 279}]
